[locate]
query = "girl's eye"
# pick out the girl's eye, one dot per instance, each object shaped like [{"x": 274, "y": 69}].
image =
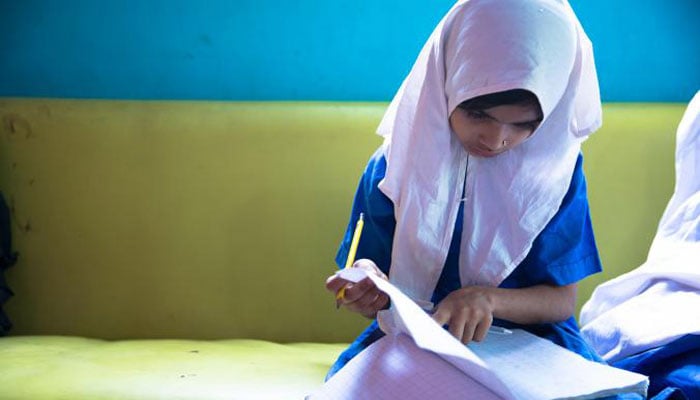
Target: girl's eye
[
  {"x": 530, "y": 126},
  {"x": 474, "y": 114}
]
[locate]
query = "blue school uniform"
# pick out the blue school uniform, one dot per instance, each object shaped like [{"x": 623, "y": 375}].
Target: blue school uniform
[
  {"x": 563, "y": 253},
  {"x": 673, "y": 369}
]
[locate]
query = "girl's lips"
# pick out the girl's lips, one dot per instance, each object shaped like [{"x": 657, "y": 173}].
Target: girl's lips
[{"x": 482, "y": 152}]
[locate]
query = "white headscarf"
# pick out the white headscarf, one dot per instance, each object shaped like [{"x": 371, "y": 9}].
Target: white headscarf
[
  {"x": 681, "y": 220},
  {"x": 482, "y": 47},
  {"x": 659, "y": 301}
]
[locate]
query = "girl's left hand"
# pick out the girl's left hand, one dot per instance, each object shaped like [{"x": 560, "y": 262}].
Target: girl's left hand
[{"x": 468, "y": 313}]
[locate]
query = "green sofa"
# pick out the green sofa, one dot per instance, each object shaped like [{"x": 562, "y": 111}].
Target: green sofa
[{"x": 177, "y": 250}]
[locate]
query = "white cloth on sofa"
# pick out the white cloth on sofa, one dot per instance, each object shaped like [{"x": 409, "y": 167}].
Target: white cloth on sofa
[{"x": 659, "y": 301}]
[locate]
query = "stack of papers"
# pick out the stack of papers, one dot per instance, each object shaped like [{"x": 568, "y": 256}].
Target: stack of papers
[{"x": 418, "y": 359}]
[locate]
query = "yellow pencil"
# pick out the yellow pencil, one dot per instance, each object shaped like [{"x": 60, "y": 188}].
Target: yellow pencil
[{"x": 353, "y": 249}]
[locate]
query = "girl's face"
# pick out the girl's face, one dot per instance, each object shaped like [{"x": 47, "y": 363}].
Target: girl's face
[{"x": 492, "y": 131}]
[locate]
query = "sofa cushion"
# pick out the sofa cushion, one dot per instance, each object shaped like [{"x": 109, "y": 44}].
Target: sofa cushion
[{"x": 56, "y": 367}]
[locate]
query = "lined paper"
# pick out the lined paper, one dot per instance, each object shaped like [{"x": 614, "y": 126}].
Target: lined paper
[{"x": 418, "y": 359}]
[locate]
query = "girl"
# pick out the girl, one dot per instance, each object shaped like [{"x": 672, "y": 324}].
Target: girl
[{"x": 475, "y": 205}]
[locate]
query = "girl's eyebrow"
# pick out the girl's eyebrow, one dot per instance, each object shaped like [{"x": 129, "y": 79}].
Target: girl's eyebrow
[{"x": 533, "y": 121}]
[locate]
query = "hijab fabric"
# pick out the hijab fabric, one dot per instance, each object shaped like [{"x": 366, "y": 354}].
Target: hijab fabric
[
  {"x": 482, "y": 47},
  {"x": 659, "y": 301}
]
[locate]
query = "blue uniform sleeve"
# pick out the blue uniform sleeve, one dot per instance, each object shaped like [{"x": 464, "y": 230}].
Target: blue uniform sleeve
[
  {"x": 565, "y": 251},
  {"x": 378, "y": 232}
]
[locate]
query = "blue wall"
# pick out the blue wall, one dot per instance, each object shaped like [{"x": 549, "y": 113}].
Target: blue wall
[{"x": 647, "y": 50}]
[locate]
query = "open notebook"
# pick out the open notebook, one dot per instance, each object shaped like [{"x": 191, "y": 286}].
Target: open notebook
[{"x": 418, "y": 359}]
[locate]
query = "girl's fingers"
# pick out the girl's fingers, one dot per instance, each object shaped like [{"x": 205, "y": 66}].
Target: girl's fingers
[
  {"x": 482, "y": 329},
  {"x": 468, "y": 332},
  {"x": 333, "y": 283},
  {"x": 367, "y": 298},
  {"x": 354, "y": 292},
  {"x": 378, "y": 303},
  {"x": 441, "y": 316},
  {"x": 369, "y": 266},
  {"x": 457, "y": 326}
]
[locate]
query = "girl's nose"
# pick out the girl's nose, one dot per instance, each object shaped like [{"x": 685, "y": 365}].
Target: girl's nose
[{"x": 494, "y": 137}]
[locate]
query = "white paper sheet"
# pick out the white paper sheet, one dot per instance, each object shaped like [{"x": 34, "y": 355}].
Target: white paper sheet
[
  {"x": 395, "y": 368},
  {"x": 418, "y": 359}
]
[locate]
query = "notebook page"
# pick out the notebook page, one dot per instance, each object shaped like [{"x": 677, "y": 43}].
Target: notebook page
[
  {"x": 395, "y": 368},
  {"x": 532, "y": 367},
  {"x": 408, "y": 318},
  {"x": 536, "y": 368}
]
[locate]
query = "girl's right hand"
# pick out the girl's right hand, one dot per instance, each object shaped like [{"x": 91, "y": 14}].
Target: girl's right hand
[{"x": 362, "y": 297}]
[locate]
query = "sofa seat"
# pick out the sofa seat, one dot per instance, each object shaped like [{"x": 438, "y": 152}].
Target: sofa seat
[{"x": 61, "y": 367}]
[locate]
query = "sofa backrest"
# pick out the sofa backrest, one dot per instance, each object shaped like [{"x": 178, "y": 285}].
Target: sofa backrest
[{"x": 156, "y": 219}]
